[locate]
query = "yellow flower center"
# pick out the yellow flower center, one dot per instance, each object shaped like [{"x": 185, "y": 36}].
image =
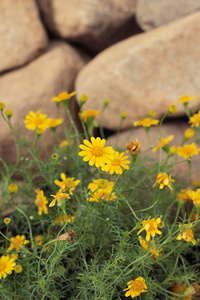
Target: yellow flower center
[
  {"x": 103, "y": 184},
  {"x": 71, "y": 184},
  {"x": 2, "y": 266},
  {"x": 116, "y": 162},
  {"x": 150, "y": 225},
  {"x": 97, "y": 151},
  {"x": 137, "y": 286}
]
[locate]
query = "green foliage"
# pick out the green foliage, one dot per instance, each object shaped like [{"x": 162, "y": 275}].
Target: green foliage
[{"x": 105, "y": 252}]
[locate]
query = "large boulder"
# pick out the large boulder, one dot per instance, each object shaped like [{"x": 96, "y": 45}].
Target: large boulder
[
  {"x": 96, "y": 24},
  {"x": 23, "y": 36},
  {"x": 144, "y": 72},
  {"x": 155, "y": 13},
  {"x": 32, "y": 88}
]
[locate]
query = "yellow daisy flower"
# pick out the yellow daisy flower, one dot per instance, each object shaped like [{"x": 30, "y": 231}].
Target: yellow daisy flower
[
  {"x": 151, "y": 227},
  {"x": 194, "y": 196},
  {"x": 18, "y": 242},
  {"x": 146, "y": 122},
  {"x": 95, "y": 152},
  {"x": 7, "y": 265},
  {"x": 186, "y": 233},
  {"x": 135, "y": 287},
  {"x": 150, "y": 246},
  {"x": 59, "y": 196},
  {"x": 164, "y": 180},
  {"x": 13, "y": 188},
  {"x": 18, "y": 268},
  {"x": 195, "y": 120},
  {"x": 102, "y": 195},
  {"x": 63, "y": 96},
  {"x": 67, "y": 183},
  {"x": 63, "y": 219},
  {"x": 133, "y": 148},
  {"x": 55, "y": 122},
  {"x": 41, "y": 202},
  {"x": 185, "y": 99},
  {"x": 187, "y": 151},
  {"x": 189, "y": 133},
  {"x": 88, "y": 113},
  {"x": 35, "y": 120},
  {"x": 163, "y": 142},
  {"x": 116, "y": 163},
  {"x": 39, "y": 239},
  {"x": 2, "y": 105},
  {"x": 184, "y": 195},
  {"x": 102, "y": 184},
  {"x": 64, "y": 143},
  {"x": 172, "y": 109},
  {"x": 8, "y": 112}
]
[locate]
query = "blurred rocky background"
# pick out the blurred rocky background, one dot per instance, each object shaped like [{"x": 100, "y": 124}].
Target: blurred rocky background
[{"x": 140, "y": 54}]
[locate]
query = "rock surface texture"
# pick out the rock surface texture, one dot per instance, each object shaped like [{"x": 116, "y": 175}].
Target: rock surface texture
[
  {"x": 144, "y": 72},
  {"x": 96, "y": 24},
  {"x": 32, "y": 88},
  {"x": 22, "y": 33},
  {"x": 155, "y": 13}
]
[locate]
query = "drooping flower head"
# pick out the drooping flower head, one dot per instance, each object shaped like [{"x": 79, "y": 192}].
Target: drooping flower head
[
  {"x": 63, "y": 219},
  {"x": 84, "y": 115},
  {"x": 55, "y": 122},
  {"x": 135, "y": 287},
  {"x": 116, "y": 163},
  {"x": 18, "y": 242},
  {"x": 95, "y": 152},
  {"x": 163, "y": 142},
  {"x": 67, "y": 183},
  {"x": 63, "y": 96},
  {"x": 146, "y": 122},
  {"x": 41, "y": 202},
  {"x": 164, "y": 180},
  {"x": 150, "y": 245},
  {"x": 35, "y": 120},
  {"x": 59, "y": 197},
  {"x": 7, "y": 265},
  {"x": 133, "y": 148},
  {"x": 187, "y": 151},
  {"x": 151, "y": 227},
  {"x": 101, "y": 195},
  {"x": 186, "y": 233}
]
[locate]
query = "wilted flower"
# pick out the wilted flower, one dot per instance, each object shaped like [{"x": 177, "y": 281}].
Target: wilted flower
[
  {"x": 164, "y": 180},
  {"x": 186, "y": 233},
  {"x": 133, "y": 148},
  {"x": 151, "y": 227}
]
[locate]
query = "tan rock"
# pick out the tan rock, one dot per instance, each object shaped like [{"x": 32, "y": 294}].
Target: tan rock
[
  {"x": 94, "y": 24},
  {"x": 176, "y": 128},
  {"x": 32, "y": 88},
  {"x": 155, "y": 13},
  {"x": 23, "y": 36},
  {"x": 144, "y": 72}
]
